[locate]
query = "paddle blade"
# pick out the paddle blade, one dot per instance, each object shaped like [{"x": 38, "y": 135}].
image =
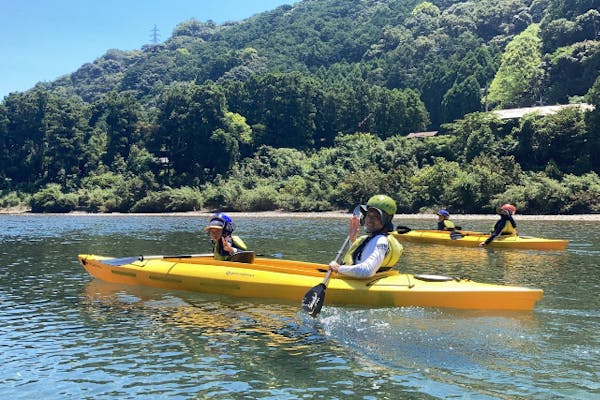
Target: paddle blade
[
  {"x": 313, "y": 299},
  {"x": 402, "y": 229},
  {"x": 456, "y": 235}
]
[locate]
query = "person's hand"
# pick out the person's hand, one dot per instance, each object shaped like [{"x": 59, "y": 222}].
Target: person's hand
[
  {"x": 227, "y": 245},
  {"x": 334, "y": 266},
  {"x": 482, "y": 244}
]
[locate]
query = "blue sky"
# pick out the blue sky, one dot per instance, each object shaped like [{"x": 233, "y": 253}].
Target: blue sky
[{"x": 41, "y": 40}]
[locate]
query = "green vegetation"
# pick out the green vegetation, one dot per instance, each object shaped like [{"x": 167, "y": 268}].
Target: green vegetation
[{"x": 308, "y": 108}]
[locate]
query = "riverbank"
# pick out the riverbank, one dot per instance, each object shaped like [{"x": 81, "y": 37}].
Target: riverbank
[{"x": 323, "y": 214}]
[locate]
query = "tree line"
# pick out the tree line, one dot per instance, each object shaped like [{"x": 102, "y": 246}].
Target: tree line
[{"x": 110, "y": 156}]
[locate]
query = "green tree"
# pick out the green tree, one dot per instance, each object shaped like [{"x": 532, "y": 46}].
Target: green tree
[
  {"x": 562, "y": 138},
  {"x": 462, "y": 98},
  {"x": 22, "y": 137},
  {"x": 286, "y": 105},
  {"x": 573, "y": 70},
  {"x": 188, "y": 116},
  {"x": 517, "y": 82},
  {"x": 592, "y": 120},
  {"x": 65, "y": 131},
  {"x": 120, "y": 115}
]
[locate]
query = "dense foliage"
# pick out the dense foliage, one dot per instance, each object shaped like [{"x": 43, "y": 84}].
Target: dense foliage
[{"x": 309, "y": 107}]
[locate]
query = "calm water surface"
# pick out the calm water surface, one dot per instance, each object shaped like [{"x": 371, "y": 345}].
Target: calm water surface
[{"x": 65, "y": 335}]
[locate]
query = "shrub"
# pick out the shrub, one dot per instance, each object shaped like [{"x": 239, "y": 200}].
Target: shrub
[
  {"x": 170, "y": 200},
  {"x": 14, "y": 199},
  {"x": 51, "y": 199}
]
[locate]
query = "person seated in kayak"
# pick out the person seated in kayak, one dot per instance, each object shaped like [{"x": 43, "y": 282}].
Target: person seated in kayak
[
  {"x": 505, "y": 226},
  {"x": 225, "y": 244},
  {"x": 378, "y": 250},
  {"x": 444, "y": 223}
]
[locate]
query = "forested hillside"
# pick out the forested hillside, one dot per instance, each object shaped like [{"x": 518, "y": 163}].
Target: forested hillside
[{"x": 308, "y": 107}]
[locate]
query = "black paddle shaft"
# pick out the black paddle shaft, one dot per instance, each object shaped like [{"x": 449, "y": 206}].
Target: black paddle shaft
[{"x": 313, "y": 299}]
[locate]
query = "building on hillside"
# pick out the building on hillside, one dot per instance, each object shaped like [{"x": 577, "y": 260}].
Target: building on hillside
[
  {"x": 517, "y": 113},
  {"x": 421, "y": 134}
]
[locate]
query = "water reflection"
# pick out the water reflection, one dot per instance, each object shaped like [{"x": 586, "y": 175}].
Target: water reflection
[
  {"x": 211, "y": 314},
  {"x": 498, "y": 265}
]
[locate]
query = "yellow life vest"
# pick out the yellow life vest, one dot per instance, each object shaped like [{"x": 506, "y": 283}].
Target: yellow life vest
[
  {"x": 508, "y": 229},
  {"x": 391, "y": 257},
  {"x": 220, "y": 254},
  {"x": 448, "y": 224}
]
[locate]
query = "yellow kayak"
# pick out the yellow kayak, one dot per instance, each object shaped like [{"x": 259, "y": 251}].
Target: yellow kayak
[
  {"x": 289, "y": 280},
  {"x": 472, "y": 239}
]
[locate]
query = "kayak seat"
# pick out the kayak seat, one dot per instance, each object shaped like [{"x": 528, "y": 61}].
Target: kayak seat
[{"x": 243, "y": 257}]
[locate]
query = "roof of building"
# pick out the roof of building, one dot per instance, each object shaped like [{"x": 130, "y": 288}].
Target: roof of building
[
  {"x": 421, "y": 134},
  {"x": 544, "y": 110}
]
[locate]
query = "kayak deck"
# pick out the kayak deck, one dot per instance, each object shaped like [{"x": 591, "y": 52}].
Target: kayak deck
[
  {"x": 473, "y": 239},
  {"x": 290, "y": 280}
]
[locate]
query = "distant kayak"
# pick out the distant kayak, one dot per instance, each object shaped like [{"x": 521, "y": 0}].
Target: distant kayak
[
  {"x": 289, "y": 280},
  {"x": 472, "y": 239}
]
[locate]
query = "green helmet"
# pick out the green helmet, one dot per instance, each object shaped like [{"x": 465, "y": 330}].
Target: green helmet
[{"x": 383, "y": 203}]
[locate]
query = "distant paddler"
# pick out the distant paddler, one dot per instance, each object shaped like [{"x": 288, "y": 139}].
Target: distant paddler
[
  {"x": 505, "y": 226},
  {"x": 444, "y": 223}
]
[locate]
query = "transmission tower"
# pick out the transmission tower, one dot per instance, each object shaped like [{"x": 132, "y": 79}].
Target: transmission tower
[{"x": 154, "y": 35}]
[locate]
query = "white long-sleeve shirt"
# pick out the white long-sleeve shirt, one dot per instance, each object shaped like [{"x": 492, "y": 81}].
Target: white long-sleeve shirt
[{"x": 370, "y": 260}]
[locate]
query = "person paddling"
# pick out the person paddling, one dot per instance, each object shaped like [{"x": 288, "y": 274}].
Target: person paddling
[
  {"x": 444, "y": 223},
  {"x": 225, "y": 244},
  {"x": 378, "y": 249},
  {"x": 505, "y": 226}
]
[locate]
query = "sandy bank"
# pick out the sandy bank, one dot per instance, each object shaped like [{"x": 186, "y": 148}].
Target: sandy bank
[{"x": 325, "y": 214}]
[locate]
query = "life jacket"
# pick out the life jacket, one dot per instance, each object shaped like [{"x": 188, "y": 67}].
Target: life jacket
[
  {"x": 221, "y": 254},
  {"x": 448, "y": 225},
  {"x": 391, "y": 257},
  {"x": 508, "y": 229}
]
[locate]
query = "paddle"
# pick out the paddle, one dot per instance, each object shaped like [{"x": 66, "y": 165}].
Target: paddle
[
  {"x": 454, "y": 235},
  {"x": 313, "y": 299},
  {"x": 129, "y": 260},
  {"x": 142, "y": 257},
  {"x": 241, "y": 256},
  {"x": 402, "y": 229}
]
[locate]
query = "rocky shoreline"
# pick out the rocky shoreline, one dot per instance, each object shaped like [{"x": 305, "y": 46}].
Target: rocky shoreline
[{"x": 322, "y": 214}]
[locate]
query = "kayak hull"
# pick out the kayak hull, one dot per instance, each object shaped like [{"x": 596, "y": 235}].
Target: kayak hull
[
  {"x": 473, "y": 239},
  {"x": 290, "y": 280}
]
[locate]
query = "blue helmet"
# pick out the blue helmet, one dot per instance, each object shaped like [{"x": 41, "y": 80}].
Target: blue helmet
[
  {"x": 221, "y": 221},
  {"x": 222, "y": 216},
  {"x": 443, "y": 213}
]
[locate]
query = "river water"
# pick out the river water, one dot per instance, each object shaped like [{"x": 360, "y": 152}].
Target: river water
[{"x": 66, "y": 335}]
